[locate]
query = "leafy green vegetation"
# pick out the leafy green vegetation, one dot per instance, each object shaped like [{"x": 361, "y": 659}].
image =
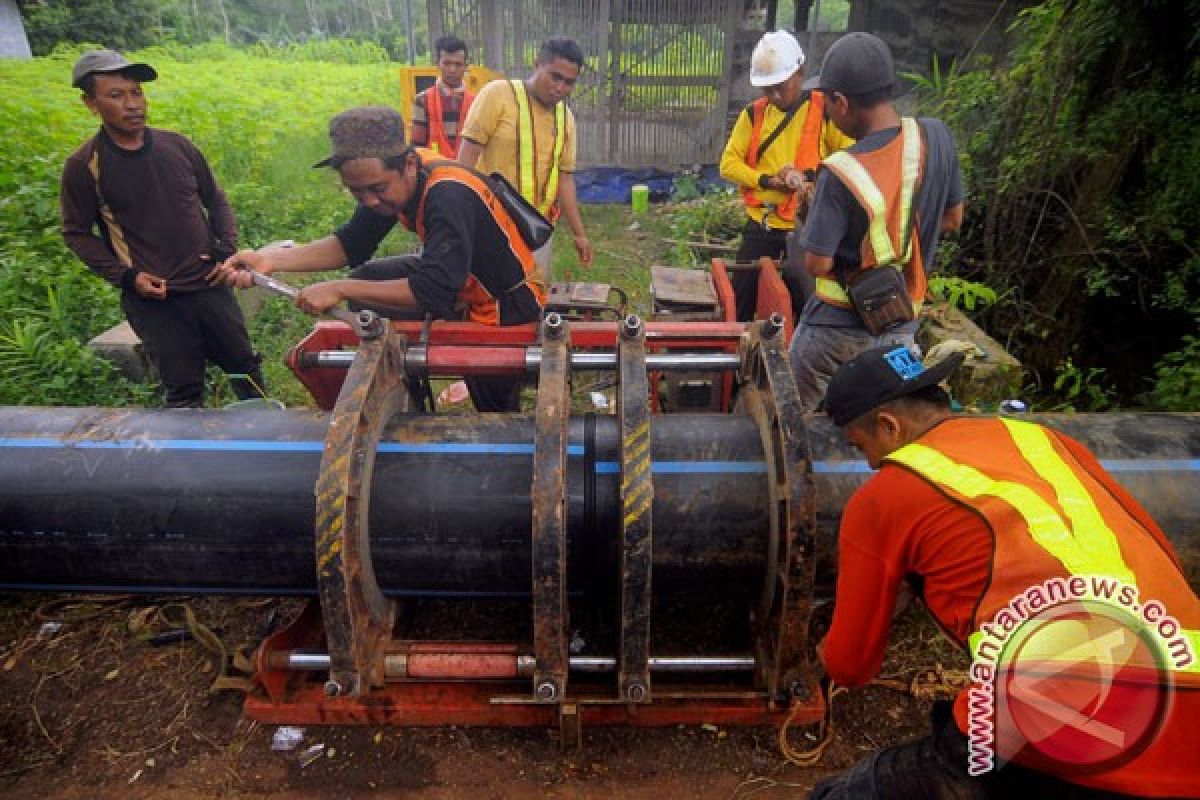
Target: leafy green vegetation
[
  {"x": 134, "y": 24},
  {"x": 1079, "y": 156},
  {"x": 260, "y": 143},
  {"x": 1079, "y": 249}
]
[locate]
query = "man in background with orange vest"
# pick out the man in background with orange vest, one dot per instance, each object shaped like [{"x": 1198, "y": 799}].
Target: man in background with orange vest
[
  {"x": 879, "y": 209},
  {"x": 439, "y": 111},
  {"x": 524, "y": 131},
  {"x": 771, "y": 155},
  {"x": 472, "y": 255},
  {"x": 1085, "y": 680}
]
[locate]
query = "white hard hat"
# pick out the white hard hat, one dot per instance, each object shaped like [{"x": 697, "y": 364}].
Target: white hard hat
[{"x": 776, "y": 58}]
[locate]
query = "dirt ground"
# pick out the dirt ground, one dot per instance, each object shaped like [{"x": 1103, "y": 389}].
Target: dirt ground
[{"x": 95, "y": 710}]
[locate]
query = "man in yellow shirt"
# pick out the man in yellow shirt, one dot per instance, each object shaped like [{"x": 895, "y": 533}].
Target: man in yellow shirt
[
  {"x": 772, "y": 155},
  {"x": 524, "y": 131}
]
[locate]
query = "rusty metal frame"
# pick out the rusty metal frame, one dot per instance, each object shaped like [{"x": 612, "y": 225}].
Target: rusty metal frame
[
  {"x": 637, "y": 501},
  {"x": 358, "y": 619},
  {"x": 548, "y": 495},
  {"x": 773, "y": 295},
  {"x": 785, "y": 611},
  {"x": 488, "y": 349}
]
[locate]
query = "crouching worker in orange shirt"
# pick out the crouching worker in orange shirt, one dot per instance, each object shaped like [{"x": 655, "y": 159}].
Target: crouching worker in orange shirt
[
  {"x": 473, "y": 256},
  {"x": 1085, "y": 678}
]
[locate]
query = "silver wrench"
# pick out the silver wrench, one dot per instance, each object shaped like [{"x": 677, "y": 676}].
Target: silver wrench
[{"x": 287, "y": 290}]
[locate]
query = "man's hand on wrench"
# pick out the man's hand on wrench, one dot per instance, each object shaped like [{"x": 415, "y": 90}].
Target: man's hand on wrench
[
  {"x": 248, "y": 268},
  {"x": 239, "y": 269}
]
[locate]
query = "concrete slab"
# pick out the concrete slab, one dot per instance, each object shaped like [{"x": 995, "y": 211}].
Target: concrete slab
[
  {"x": 984, "y": 381},
  {"x": 120, "y": 345}
]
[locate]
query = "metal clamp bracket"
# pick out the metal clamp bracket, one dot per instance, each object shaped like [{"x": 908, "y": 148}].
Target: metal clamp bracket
[
  {"x": 549, "y": 545},
  {"x": 358, "y": 619},
  {"x": 769, "y": 396},
  {"x": 637, "y": 500}
]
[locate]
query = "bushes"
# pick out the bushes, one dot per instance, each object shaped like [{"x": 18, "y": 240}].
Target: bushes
[
  {"x": 1083, "y": 195},
  {"x": 261, "y": 122}
]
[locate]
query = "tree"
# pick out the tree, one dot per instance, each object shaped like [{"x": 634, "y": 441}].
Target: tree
[
  {"x": 120, "y": 24},
  {"x": 1081, "y": 162}
]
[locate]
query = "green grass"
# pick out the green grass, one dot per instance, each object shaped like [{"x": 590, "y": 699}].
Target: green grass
[{"x": 261, "y": 122}]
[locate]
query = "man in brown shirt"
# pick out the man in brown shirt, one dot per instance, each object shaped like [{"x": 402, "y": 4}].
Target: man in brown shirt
[{"x": 163, "y": 223}]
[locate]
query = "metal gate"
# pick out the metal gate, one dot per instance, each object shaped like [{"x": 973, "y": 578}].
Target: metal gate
[{"x": 655, "y": 87}]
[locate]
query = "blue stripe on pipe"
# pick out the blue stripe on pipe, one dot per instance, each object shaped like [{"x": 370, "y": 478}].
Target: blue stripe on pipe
[
  {"x": 1151, "y": 464},
  {"x": 227, "y": 445},
  {"x": 245, "y": 445},
  {"x": 690, "y": 467},
  {"x": 603, "y": 467},
  {"x": 840, "y": 467}
]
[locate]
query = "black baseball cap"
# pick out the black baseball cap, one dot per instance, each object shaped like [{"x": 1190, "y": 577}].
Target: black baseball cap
[
  {"x": 366, "y": 132},
  {"x": 106, "y": 61},
  {"x": 856, "y": 64},
  {"x": 879, "y": 375}
]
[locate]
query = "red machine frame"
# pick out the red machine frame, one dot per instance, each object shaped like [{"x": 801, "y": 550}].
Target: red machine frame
[{"x": 462, "y": 682}]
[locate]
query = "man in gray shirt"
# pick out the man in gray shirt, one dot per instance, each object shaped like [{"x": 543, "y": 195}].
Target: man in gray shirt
[{"x": 866, "y": 184}]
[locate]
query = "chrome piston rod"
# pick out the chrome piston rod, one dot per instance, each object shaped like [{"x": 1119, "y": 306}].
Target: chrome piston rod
[
  {"x": 417, "y": 359},
  {"x": 318, "y": 662}
]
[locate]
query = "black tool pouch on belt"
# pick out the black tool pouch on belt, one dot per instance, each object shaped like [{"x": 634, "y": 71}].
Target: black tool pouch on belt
[
  {"x": 534, "y": 228},
  {"x": 881, "y": 299}
]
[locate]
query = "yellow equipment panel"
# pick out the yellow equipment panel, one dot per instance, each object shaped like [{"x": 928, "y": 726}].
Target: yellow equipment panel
[{"x": 414, "y": 80}]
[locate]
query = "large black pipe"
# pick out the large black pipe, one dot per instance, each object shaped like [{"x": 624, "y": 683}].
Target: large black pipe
[{"x": 222, "y": 501}]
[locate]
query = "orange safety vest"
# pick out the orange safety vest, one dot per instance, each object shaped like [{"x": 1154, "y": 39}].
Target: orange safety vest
[
  {"x": 808, "y": 150},
  {"x": 481, "y": 304},
  {"x": 1050, "y": 517},
  {"x": 884, "y": 182},
  {"x": 435, "y": 112}
]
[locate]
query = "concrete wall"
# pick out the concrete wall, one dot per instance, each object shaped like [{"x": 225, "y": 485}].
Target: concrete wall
[
  {"x": 13, "y": 43},
  {"x": 917, "y": 30}
]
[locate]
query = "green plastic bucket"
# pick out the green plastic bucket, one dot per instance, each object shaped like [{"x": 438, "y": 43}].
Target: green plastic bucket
[{"x": 640, "y": 197}]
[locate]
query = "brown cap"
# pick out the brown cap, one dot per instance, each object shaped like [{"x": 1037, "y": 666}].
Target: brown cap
[
  {"x": 106, "y": 61},
  {"x": 367, "y": 132}
]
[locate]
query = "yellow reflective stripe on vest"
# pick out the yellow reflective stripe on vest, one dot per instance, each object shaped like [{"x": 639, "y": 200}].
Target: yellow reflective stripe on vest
[
  {"x": 1087, "y": 547},
  {"x": 560, "y": 137},
  {"x": 851, "y": 170},
  {"x": 526, "y": 170},
  {"x": 910, "y": 167},
  {"x": 1045, "y": 524},
  {"x": 1096, "y": 539},
  {"x": 1192, "y": 637},
  {"x": 853, "y": 173},
  {"x": 829, "y": 289}
]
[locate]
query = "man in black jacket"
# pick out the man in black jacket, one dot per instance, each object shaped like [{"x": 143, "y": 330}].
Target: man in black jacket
[
  {"x": 473, "y": 262},
  {"x": 164, "y": 222}
]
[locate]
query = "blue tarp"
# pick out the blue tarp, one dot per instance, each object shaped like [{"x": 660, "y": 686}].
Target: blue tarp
[{"x": 613, "y": 184}]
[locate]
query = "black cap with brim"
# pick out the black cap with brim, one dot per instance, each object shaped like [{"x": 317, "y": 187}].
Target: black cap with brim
[
  {"x": 900, "y": 86},
  {"x": 105, "y": 62},
  {"x": 878, "y": 376},
  {"x": 856, "y": 64}
]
